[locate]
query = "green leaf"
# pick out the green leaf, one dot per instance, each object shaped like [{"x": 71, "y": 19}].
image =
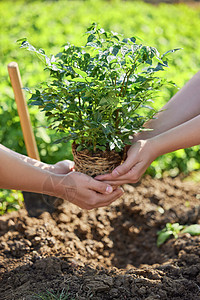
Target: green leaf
[
  {"x": 133, "y": 39},
  {"x": 80, "y": 72},
  {"x": 115, "y": 50},
  {"x": 163, "y": 237},
  {"x": 170, "y": 51},
  {"x": 78, "y": 79},
  {"x": 27, "y": 90},
  {"x": 111, "y": 58},
  {"x": 79, "y": 148},
  {"x": 49, "y": 106},
  {"x": 165, "y": 233},
  {"x": 89, "y": 79},
  {"x": 21, "y": 40},
  {"x": 192, "y": 229},
  {"x": 37, "y": 102},
  {"x": 102, "y": 148},
  {"x": 91, "y": 37},
  {"x": 63, "y": 140}
]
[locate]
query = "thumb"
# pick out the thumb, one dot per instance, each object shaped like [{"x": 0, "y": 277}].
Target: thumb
[
  {"x": 100, "y": 187},
  {"x": 123, "y": 168}
]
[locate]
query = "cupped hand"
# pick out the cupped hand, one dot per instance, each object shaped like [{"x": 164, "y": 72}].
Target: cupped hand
[
  {"x": 84, "y": 191},
  {"x": 139, "y": 156}
]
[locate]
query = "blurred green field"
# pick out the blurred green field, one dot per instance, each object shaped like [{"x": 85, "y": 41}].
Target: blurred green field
[{"x": 50, "y": 24}]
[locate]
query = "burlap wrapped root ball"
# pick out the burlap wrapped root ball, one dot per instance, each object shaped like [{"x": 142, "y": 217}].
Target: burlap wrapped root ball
[{"x": 99, "y": 163}]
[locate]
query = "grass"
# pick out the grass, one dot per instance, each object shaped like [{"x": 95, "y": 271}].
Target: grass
[{"x": 51, "y": 295}]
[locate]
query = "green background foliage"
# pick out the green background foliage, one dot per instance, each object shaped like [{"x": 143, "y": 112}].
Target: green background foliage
[{"x": 50, "y": 24}]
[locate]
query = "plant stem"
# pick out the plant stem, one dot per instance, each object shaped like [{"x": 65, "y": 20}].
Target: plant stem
[
  {"x": 122, "y": 87},
  {"x": 79, "y": 101},
  {"x": 127, "y": 83},
  {"x": 117, "y": 118}
]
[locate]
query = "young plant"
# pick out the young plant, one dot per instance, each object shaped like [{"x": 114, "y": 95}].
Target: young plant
[
  {"x": 174, "y": 230},
  {"x": 100, "y": 94},
  {"x": 51, "y": 295}
]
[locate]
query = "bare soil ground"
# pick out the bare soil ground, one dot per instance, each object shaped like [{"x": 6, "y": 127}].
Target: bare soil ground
[{"x": 106, "y": 253}]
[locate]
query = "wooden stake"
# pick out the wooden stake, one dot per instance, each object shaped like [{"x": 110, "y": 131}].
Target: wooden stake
[{"x": 22, "y": 109}]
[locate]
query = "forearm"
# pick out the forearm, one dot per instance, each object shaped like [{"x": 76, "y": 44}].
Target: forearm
[
  {"x": 16, "y": 173},
  {"x": 27, "y": 159},
  {"x": 183, "y": 136},
  {"x": 182, "y": 107}
]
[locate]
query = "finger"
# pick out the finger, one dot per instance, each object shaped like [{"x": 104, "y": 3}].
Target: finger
[
  {"x": 113, "y": 183},
  {"x": 132, "y": 176},
  {"x": 121, "y": 182},
  {"x": 114, "y": 187},
  {"x": 103, "y": 200},
  {"x": 100, "y": 187},
  {"x": 127, "y": 178},
  {"x": 70, "y": 164},
  {"x": 123, "y": 168},
  {"x": 117, "y": 172},
  {"x": 104, "y": 177}
]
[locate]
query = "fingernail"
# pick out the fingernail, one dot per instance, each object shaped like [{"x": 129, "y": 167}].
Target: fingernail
[
  {"x": 115, "y": 172},
  {"x": 109, "y": 189}
]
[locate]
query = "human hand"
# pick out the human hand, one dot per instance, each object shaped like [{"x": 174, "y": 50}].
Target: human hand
[
  {"x": 61, "y": 167},
  {"x": 82, "y": 190},
  {"x": 139, "y": 156}
]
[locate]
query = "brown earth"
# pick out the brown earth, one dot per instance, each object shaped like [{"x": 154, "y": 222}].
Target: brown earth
[{"x": 106, "y": 253}]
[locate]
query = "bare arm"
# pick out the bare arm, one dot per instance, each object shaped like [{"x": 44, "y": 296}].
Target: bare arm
[
  {"x": 17, "y": 173},
  {"x": 183, "y": 136},
  {"x": 61, "y": 167},
  {"x": 182, "y": 107},
  {"x": 82, "y": 190}
]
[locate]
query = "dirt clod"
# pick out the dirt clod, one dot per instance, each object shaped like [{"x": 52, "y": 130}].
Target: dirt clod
[{"x": 106, "y": 253}]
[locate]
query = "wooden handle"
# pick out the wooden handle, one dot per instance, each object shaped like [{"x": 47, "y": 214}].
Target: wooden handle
[{"x": 27, "y": 130}]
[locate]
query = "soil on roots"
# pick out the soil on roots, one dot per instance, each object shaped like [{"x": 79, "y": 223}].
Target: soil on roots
[{"x": 106, "y": 253}]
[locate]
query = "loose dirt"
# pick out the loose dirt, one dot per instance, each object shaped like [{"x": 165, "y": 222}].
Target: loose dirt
[{"x": 106, "y": 253}]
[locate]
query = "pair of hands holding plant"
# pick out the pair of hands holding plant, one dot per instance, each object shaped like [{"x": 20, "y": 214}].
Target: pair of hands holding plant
[
  {"x": 175, "y": 127},
  {"x": 139, "y": 156}
]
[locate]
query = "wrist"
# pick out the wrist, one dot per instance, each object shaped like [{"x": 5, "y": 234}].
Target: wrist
[
  {"x": 62, "y": 186},
  {"x": 159, "y": 145},
  {"x": 143, "y": 135},
  {"x": 153, "y": 148},
  {"x": 50, "y": 184}
]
